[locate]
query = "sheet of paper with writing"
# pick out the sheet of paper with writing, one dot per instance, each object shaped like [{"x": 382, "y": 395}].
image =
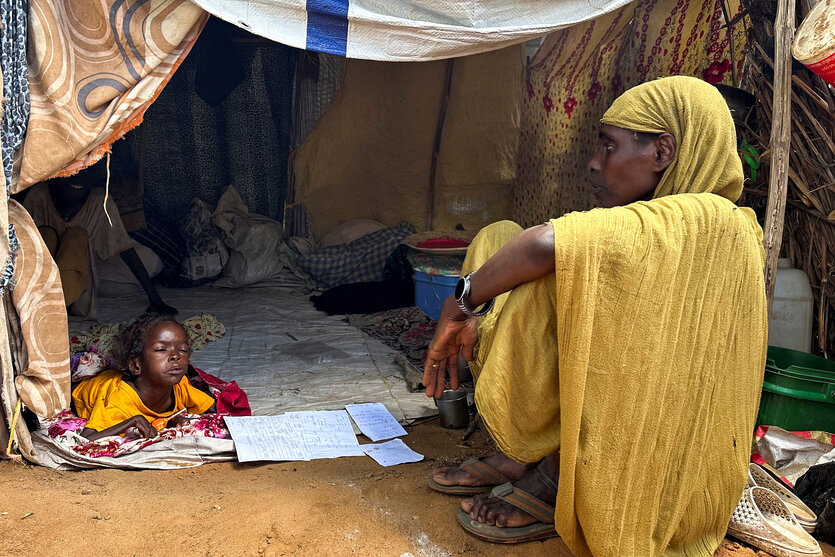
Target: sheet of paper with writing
[
  {"x": 392, "y": 452},
  {"x": 374, "y": 421},
  {"x": 266, "y": 438},
  {"x": 326, "y": 433},
  {"x": 294, "y": 436}
]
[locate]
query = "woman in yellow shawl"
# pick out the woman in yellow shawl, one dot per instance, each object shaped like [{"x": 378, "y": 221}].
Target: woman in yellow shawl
[{"x": 626, "y": 346}]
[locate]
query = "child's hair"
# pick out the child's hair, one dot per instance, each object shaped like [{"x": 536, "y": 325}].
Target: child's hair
[{"x": 131, "y": 339}]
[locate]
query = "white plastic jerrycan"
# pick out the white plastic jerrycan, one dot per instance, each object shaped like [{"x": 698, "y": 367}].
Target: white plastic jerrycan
[{"x": 791, "y": 315}]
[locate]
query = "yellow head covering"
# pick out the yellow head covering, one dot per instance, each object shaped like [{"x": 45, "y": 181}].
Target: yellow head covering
[{"x": 698, "y": 117}]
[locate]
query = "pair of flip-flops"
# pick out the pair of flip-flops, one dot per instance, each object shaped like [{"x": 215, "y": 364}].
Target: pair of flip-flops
[{"x": 499, "y": 486}]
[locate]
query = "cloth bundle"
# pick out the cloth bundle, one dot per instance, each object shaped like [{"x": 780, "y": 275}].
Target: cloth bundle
[
  {"x": 255, "y": 242},
  {"x": 231, "y": 399},
  {"x": 362, "y": 260},
  {"x": 206, "y": 253}
]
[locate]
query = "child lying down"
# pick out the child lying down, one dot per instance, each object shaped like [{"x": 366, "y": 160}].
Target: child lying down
[{"x": 150, "y": 391}]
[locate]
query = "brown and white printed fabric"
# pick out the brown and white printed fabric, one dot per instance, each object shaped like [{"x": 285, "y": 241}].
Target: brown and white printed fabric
[
  {"x": 39, "y": 321},
  {"x": 8, "y": 392},
  {"x": 94, "y": 68}
]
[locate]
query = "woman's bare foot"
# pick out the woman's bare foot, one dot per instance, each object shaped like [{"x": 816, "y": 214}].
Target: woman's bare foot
[
  {"x": 453, "y": 475},
  {"x": 540, "y": 481}
]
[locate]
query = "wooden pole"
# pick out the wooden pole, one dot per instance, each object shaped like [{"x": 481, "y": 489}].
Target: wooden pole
[
  {"x": 779, "y": 143},
  {"x": 436, "y": 147}
]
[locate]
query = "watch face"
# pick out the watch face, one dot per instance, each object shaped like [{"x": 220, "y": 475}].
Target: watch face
[{"x": 459, "y": 288}]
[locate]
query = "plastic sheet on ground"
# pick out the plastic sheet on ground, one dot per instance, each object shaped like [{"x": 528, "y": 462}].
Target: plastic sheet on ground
[
  {"x": 286, "y": 355},
  {"x": 791, "y": 454}
]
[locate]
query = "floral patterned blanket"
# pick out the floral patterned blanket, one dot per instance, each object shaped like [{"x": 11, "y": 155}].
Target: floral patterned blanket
[
  {"x": 204, "y": 439},
  {"x": 64, "y": 429}
]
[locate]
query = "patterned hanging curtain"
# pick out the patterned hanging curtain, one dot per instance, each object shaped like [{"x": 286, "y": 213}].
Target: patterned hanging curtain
[
  {"x": 15, "y": 116},
  {"x": 579, "y": 71},
  {"x": 15, "y": 79},
  {"x": 95, "y": 67}
]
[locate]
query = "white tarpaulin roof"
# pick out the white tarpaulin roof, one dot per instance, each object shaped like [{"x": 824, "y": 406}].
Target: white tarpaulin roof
[{"x": 404, "y": 30}]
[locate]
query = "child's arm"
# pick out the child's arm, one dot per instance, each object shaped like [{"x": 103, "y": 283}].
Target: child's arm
[
  {"x": 179, "y": 420},
  {"x": 139, "y": 421}
]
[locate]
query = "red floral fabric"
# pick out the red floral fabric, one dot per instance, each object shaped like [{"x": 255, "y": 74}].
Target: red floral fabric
[
  {"x": 579, "y": 71},
  {"x": 231, "y": 399}
]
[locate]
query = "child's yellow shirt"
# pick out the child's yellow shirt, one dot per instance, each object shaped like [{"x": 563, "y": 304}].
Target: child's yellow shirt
[{"x": 106, "y": 400}]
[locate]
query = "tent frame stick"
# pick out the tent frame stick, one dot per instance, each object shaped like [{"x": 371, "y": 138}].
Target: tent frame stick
[
  {"x": 436, "y": 147},
  {"x": 779, "y": 143}
]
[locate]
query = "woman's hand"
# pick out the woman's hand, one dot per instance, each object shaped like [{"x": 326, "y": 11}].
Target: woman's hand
[
  {"x": 456, "y": 333},
  {"x": 527, "y": 257}
]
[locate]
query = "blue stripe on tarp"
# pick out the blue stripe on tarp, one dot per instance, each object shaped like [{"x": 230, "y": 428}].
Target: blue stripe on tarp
[{"x": 327, "y": 26}]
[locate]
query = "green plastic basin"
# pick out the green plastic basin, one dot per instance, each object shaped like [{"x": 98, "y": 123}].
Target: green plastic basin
[{"x": 798, "y": 391}]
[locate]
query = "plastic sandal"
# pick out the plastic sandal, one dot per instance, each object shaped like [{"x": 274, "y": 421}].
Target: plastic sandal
[
  {"x": 496, "y": 534},
  {"x": 804, "y": 515},
  {"x": 529, "y": 503},
  {"x": 763, "y": 520},
  {"x": 480, "y": 470}
]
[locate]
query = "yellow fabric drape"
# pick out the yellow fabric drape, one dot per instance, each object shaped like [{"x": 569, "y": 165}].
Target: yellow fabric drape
[
  {"x": 657, "y": 313},
  {"x": 687, "y": 108},
  {"x": 640, "y": 358}
]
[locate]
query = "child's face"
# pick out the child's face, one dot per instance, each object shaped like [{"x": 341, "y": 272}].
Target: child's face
[{"x": 164, "y": 359}]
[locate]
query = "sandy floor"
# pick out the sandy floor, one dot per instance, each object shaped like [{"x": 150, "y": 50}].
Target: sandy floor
[{"x": 332, "y": 507}]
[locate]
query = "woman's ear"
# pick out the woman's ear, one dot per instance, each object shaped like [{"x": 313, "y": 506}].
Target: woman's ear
[
  {"x": 665, "y": 151},
  {"x": 134, "y": 368}
]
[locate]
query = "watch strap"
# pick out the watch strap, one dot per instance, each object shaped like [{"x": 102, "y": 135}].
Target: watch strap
[
  {"x": 465, "y": 292},
  {"x": 485, "y": 309}
]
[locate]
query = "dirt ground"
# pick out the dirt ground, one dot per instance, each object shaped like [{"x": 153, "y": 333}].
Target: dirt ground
[{"x": 325, "y": 507}]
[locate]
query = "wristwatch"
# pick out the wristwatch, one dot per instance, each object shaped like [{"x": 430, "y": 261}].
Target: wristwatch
[{"x": 462, "y": 292}]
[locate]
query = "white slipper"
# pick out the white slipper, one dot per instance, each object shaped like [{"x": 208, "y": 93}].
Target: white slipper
[
  {"x": 804, "y": 515},
  {"x": 763, "y": 520}
]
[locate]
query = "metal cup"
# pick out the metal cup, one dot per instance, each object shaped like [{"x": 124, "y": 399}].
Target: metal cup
[{"x": 452, "y": 408}]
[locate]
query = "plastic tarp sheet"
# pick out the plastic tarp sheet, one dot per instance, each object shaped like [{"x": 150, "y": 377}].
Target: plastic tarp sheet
[
  {"x": 286, "y": 355},
  {"x": 403, "y": 30},
  {"x": 792, "y": 454}
]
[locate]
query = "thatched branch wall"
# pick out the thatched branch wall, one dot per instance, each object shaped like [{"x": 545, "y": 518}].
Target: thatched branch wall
[{"x": 809, "y": 234}]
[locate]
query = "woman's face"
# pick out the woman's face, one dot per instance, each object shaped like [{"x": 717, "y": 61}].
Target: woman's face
[{"x": 624, "y": 169}]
